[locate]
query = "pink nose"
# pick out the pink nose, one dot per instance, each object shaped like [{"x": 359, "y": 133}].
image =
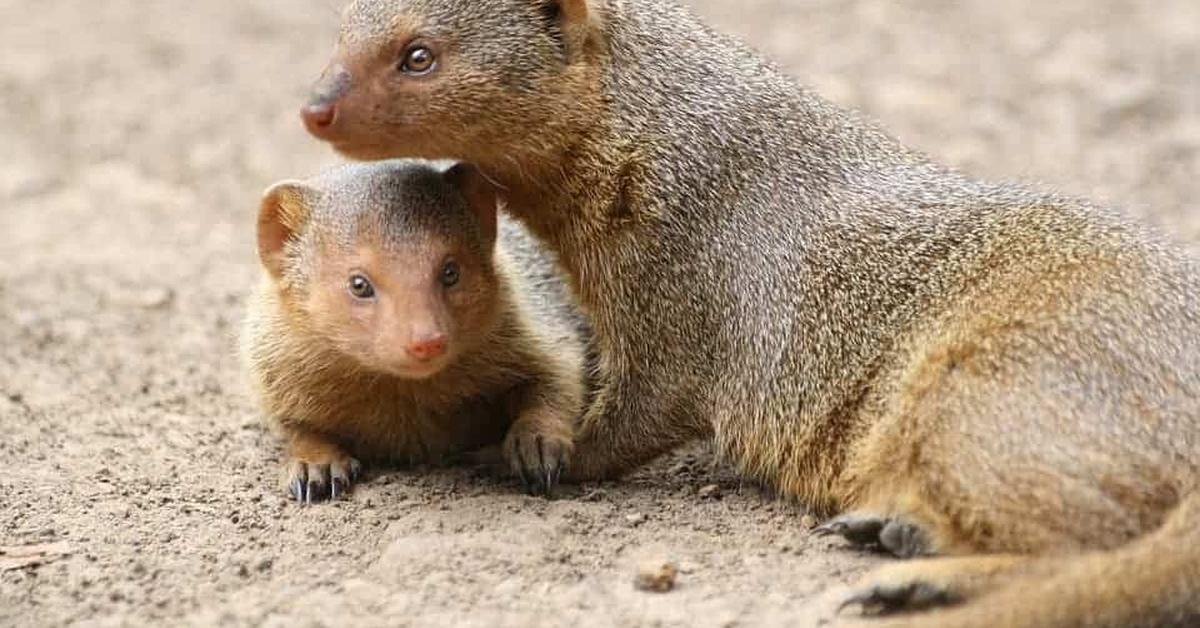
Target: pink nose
[
  {"x": 317, "y": 117},
  {"x": 428, "y": 348}
]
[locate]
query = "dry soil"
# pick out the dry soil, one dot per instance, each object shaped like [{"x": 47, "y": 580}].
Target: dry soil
[{"x": 138, "y": 137}]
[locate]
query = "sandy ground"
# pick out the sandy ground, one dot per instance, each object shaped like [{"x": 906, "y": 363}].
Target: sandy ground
[{"x": 137, "y": 138}]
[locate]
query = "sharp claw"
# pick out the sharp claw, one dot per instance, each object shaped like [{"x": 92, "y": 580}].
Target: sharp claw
[
  {"x": 297, "y": 490},
  {"x": 525, "y": 482},
  {"x": 334, "y": 485},
  {"x": 828, "y": 529},
  {"x": 860, "y": 599}
]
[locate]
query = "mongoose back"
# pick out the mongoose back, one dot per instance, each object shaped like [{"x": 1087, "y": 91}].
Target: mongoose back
[
  {"x": 398, "y": 322},
  {"x": 957, "y": 367}
]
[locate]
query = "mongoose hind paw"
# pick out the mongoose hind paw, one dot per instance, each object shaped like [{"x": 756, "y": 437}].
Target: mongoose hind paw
[
  {"x": 885, "y": 599},
  {"x": 310, "y": 482},
  {"x": 894, "y": 536}
]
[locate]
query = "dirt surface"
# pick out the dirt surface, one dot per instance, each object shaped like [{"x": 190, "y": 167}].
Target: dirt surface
[{"x": 138, "y": 136}]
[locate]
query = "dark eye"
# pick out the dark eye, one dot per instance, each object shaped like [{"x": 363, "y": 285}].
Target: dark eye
[
  {"x": 361, "y": 287},
  {"x": 449, "y": 275},
  {"x": 417, "y": 61}
]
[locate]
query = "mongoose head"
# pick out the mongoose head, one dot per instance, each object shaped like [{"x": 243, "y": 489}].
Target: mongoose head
[
  {"x": 389, "y": 263},
  {"x": 451, "y": 78}
]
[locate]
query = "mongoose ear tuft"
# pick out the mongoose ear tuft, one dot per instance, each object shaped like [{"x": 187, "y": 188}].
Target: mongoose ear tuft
[
  {"x": 571, "y": 20},
  {"x": 480, "y": 194},
  {"x": 573, "y": 11},
  {"x": 283, "y": 212}
]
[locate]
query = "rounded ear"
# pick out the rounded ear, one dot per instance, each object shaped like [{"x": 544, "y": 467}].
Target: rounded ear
[
  {"x": 282, "y": 213},
  {"x": 480, "y": 194},
  {"x": 575, "y": 20},
  {"x": 573, "y": 12}
]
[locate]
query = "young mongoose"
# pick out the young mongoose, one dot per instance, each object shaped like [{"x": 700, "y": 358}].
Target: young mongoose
[
  {"x": 399, "y": 322},
  {"x": 959, "y": 368}
]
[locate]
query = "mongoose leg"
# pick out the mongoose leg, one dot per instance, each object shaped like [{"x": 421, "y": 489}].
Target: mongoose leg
[
  {"x": 925, "y": 583},
  {"x": 317, "y": 469},
  {"x": 538, "y": 447},
  {"x": 897, "y": 536},
  {"x": 1152, "y": 582},
  {"x": 616, "y": 435}
]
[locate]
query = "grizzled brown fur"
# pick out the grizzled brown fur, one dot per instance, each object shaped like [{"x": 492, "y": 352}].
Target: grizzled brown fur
[{"x": 957, "y": 367}]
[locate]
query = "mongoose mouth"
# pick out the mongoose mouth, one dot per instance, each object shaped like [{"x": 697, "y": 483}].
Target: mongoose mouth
[{"x": 416, "y": 370}]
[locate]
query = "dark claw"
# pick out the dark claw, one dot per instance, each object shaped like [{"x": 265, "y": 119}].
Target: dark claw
[
  {"x": 535, "y": 486},
  {"x": 829, "y": 528},
  {"x": 858, "y": 530},
  {"x": 521, "y": 472},
  {"x": 316, "y": 491},
  {"x": 355, "y": 470},
  {"x": 337, "y": 488},
  {"x": 880, "y": 600},
  {"x": 297, "y": 489}
]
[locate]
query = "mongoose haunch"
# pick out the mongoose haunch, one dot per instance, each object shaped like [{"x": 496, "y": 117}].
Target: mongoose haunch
[
  {"x": 982, "y": 371},
  {"x": 399, "y": 322}
]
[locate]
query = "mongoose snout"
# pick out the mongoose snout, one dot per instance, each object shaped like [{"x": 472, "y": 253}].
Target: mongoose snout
[{"x": 320, "y": 112}]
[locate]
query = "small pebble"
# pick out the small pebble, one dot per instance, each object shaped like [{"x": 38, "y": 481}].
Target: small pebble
[
  {"x": 656, "y": 576},
  {"x": 808, "y": 521},
  {"x": 154, "y": 298},
  {"x": 711, "y": 491},
  {"x": 635, "y": 518}
]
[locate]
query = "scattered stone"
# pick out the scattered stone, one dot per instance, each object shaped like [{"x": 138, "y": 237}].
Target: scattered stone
[
  {"x": 154, "y": 298},
  {"x": 635, "y": 518},
  {"x": 655, "y": 576},
  {"x": 808, "y": 521},
  {"x": 710, "y": 491}
]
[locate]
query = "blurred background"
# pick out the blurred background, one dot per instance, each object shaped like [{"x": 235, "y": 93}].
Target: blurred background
[{"x": 138, "y": 136}]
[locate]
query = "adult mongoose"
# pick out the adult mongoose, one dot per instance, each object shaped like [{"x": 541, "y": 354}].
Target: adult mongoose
[
  {"x": 400, "y": 321},
  {"x": 957, "y": 367}
]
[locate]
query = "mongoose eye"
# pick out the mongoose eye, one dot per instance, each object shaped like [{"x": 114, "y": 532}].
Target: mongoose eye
[
  {"x": 417, "y": 61},
  {"x": 361, "y": 287},
  {"x": 449, "y": 275}
]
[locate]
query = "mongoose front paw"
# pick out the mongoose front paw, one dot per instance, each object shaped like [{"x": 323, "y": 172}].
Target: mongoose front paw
[
  {"x": 537, "y": 455},
  {"x": 895, "y": 536},
  {"x": 314, "y": 481}
]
